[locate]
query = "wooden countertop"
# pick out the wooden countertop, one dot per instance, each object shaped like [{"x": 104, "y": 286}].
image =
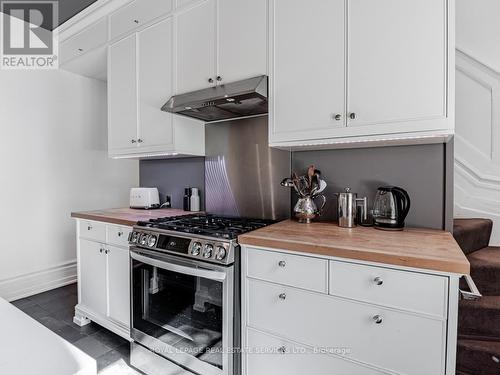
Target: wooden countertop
[
  {"x": 417, "y": 248},
  {"x": 128, "y": 216}
]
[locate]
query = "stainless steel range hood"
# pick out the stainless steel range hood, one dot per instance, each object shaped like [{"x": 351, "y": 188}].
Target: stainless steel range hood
[{"x": 229, "y": 101}]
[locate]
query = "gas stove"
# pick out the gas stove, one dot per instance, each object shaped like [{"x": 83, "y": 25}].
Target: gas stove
[{"x": 204, "y": 237}]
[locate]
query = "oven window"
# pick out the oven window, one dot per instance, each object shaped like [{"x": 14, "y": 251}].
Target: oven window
[{"x": 180, "y": 310}]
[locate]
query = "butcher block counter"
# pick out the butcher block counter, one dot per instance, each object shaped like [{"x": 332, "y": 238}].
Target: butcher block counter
[
  {"x": 127, "y": 216},
  {"x": 416, "y": 248}
]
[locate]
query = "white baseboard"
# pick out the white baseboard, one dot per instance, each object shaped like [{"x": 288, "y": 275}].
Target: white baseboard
[{"x": 33, "y": 283}]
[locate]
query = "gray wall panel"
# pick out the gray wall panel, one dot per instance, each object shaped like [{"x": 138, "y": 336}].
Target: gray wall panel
[{"x": 418, "y": 169}]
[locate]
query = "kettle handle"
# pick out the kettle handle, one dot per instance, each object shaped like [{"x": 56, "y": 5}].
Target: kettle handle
[
  {"x": 405, "y": 199},
  {"x": 320, "y": 210}
]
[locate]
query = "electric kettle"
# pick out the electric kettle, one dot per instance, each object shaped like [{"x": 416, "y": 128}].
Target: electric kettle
[{"x": 390, "y": 208}]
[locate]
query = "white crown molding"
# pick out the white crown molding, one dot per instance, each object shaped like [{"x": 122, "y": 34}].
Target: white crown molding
[{"x": 29, "y": 284}]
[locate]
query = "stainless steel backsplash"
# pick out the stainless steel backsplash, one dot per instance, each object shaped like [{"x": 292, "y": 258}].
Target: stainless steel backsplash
[{"x": 242, "y": 173}]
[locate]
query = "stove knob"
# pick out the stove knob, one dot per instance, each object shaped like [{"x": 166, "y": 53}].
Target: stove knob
[
  {"x": 134, "y": 237},
  {"x": 220, "y": 253},
  {"x": 144, "y": 239},
  {"x": 196, "y": 248},
  {"x": 208, "y": 250},
  {"x": 152, "y": 240}
]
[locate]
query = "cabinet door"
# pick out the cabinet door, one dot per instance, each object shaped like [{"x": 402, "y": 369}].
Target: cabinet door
[
  {"x": 119, "y": 284},
  {"x": 242, "y": 39},
  {"x": 307, "y": 69},
  {"x": 155, "y": 58},
  {"x": 92, "y": 264},
  {"x": 122, "y": 95},
  {"x": 196, "y": 47},
  {"x": 397, "y": 62}
]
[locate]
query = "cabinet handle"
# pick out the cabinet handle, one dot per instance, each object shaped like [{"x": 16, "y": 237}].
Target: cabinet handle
[
  {"x": 120, "y": 234},
  {"x": 219, "y": 78},
  {"x": 106, "y": 251},
  {"x": 140, "y": 140},
  {"x": 101, "y": 250},
  {"x": 337, "y": 117},
  {"x": 133, "y": 141},
  {"x": 282, "y": 296},
  {"x": 89, "y": 227},
  {"x": 136, "y": 21},
  {"x": 282, "y": 349},
  {"x": 282, "y": 263},
  {"x": 378, "y": 319},
  {"x": 80, "y": 49},
  {"x": 352, "y": 116},
  {"x": 378, "y": 280},
  {"x": 210, "y": 80}
]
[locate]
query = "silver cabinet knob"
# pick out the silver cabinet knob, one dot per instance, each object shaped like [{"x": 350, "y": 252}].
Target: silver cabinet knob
[
  {"x": 378, "y": 280},
  {"x": 210, "y": 80},
  {"x": 282, "y": 349},
  {"x": 282, "y": 263},
  {"x": 120, "y": 234},
  {"x": 106, "y": 251},
  {"x": 219, "y": 78},
  {"x": 378, "y": 319},
  {"x": 282, "y": 296},
  {"x": 89, "y": 227},
  {"x": 352, "y": 116},
  {"x": 136, "y": 21},
  {"x": 337, "y": 117},
  {"x": 101, "y": 250},
  {"x": 140, "y": 140},
  {"x": 133, "y": 141}
]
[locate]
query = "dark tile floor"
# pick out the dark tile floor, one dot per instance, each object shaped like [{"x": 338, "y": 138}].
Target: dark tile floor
[{"x": 55, "y": 310}]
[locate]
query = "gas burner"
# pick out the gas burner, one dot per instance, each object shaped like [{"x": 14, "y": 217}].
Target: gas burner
[{"x": 228, "y": 228}]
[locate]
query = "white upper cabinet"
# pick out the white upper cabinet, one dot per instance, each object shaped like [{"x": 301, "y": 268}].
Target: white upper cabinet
[
  {"x": 155, "y": 83},
  {"x": 242, "y": 39},
  {"x": 140, "y": 82},
  {"x": 307, "y": 69},
  {"x": 397, "y": 62},
  {"x": 378, "y": 71},
  {"x": 195, "y": 68},
  {"x": 122, "y": 96}
]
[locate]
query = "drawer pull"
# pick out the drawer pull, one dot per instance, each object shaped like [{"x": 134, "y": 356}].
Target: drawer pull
[
  {"x": 282, "y": 349},
  {"x": 378, "y": 280},
  {"x": 282, "y": 263},
  {"x": 89, "y": 227},
  {"x": 282, "y": 296},
  {"x": 378, "y": 319},
  {"x": 101, "y": 250},
  {"x": 120, "y": 234}
]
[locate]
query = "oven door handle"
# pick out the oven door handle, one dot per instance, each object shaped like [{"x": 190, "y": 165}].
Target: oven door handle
[{"x": 171, "y": 265}]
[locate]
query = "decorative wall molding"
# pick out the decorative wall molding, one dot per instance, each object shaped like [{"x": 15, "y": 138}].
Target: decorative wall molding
[
  {"x": 29, "y": 284},
  {"x": 477, "y": 141}
]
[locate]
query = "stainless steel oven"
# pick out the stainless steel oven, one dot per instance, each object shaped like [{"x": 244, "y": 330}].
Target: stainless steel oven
[{"x": 182, "y": 311}]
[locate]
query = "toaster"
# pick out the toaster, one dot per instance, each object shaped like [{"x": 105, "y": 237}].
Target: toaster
[{"x": 145, "y": 198}]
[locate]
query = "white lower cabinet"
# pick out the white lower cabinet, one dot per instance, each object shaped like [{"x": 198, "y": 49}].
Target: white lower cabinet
[
  {"x": 367, "y": 320},
  {"x": 104, "y": 277},
  {"x": 282, "y": 357}
]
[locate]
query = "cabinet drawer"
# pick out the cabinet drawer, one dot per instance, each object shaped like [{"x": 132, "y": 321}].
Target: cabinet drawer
[
  {"x": 413, "y": 291},
  {"x": 92, "y": 230},
  {"x": 401, "y": 342},
  {"x": 117, "y": 235},
  {"x": 92, "y": 37},
  {"x": 137, "y": 13},
  {"x": 282, "y": 357},
  {"x": 295, "y": 270}
]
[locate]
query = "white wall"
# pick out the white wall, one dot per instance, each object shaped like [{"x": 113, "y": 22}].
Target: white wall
[
  {"x": 53, "y": 160},
  {"x": 477, "y": 141}
]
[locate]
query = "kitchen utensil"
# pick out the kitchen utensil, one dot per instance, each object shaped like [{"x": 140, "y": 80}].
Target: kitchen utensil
[
  {"x": 306, "y": 210},
  {"x": 347, "y": 203},
  {"x": 390, "y": 208}
]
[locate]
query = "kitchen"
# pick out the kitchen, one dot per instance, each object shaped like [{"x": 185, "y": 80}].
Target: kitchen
[{"x": 226, "y": 175}]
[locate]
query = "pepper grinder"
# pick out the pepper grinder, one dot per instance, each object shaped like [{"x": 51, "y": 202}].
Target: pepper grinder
[
  {"x": 187, "y": 199},
  {"x": 195, "y": 200}
]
